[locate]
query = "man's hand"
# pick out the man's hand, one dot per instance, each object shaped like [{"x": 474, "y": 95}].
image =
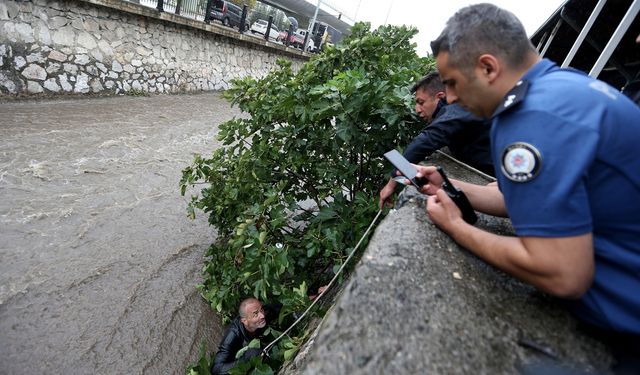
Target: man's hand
[
  {"x": 386, "y": 194},
  {"x": 561, "y": 266},
  {"x": 443, "y": 211},
  {"x": 431, "y": 174}
]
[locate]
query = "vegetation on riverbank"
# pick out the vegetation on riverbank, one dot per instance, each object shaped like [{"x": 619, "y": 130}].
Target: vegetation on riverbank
[{"x": 296, "y": 183}]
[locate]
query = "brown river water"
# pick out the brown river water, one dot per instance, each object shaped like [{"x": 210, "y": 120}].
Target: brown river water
[{"x": 98, "y": 260}]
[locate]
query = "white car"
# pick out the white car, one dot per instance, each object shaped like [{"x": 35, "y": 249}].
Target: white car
[
  {"x": 301, "y": 34},
  {"x": 260, "y": 27}
]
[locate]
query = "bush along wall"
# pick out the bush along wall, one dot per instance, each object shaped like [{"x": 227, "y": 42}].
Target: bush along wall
[{"x": 296, "y": 183}]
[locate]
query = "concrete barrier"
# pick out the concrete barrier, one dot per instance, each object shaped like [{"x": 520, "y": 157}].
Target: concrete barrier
[{"x": 417, "y": 303}]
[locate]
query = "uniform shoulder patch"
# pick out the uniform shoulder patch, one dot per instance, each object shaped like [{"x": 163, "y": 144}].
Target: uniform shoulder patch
[
  {"x": 521, "y": 162},
  {"x": 514, "y": 96}
]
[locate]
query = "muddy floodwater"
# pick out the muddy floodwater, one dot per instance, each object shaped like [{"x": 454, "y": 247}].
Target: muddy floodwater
[{"x": 98, "y": 259}]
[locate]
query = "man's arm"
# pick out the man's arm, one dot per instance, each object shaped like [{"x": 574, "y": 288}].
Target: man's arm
[
  {"x": 225, "y": 358},
  {"x": 430, "y": 139},
  {"x": 434, "y": 137},
  {"x": 562, "y": 266},
  {"x": 484, "y": 198},
  {"x": 386, "y": 193}
]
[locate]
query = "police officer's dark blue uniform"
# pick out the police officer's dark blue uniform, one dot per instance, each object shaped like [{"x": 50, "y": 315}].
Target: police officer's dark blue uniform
[{"x": 567, "y": 149}]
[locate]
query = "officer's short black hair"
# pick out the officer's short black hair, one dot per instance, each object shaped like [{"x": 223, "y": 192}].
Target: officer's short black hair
[
  {"x": 430, "y": 83},
  {"x": 480, "y": 29}
]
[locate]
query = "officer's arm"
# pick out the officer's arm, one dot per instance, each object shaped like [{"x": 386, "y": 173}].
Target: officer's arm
[
  {"x": 484, "y": 198},
  {"x": 562, "y": 266}
]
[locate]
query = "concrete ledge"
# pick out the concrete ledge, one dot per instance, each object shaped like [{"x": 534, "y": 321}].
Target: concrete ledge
[{"x": 419, "y": 304}]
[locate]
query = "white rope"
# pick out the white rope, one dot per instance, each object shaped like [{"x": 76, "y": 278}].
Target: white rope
[
  {"x": 268, "y": 347},
  {"x": 491, "y": 178}
]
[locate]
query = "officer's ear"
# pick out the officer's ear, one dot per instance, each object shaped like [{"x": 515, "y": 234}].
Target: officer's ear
[
  {"x": 440, "y": 95},
  {"x": 489, "y": 67}
]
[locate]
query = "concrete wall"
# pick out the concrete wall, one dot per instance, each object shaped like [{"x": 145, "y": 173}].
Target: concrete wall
[
  {"x": 418, "y": 303},
  {"x": 112, "y": 46}
]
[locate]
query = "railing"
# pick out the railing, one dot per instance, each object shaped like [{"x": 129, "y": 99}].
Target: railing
[{"x": 197, "y": 10}]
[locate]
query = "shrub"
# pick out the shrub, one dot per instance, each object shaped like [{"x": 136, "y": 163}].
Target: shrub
[{"x": 295, "y": 184}]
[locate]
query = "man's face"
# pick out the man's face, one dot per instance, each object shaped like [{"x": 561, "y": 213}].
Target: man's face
[
  {"x": 426, "y": 104},
  {"x": 465, "y": 88},
  {"x": 253, "y": 316}
]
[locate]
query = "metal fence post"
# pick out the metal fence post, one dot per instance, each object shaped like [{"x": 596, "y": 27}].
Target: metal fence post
[
  {"x": 243, "y": 19},
  {"x": 267, "y": 34},
  {"x": 207, "y": 12},
  {"x": 289, "y": 33},
  {"x": 160, "y": 6},
  {"x": 178, "y": 6}
]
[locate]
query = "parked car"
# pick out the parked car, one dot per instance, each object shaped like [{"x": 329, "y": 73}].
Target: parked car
[
  {"x": 260, "y": 27},
  {"x": 228, "y": 13},
  {"x": 297, "y": 39},
  {"x": 282, "y": 37},
  {"x": 311, "y": 45}
]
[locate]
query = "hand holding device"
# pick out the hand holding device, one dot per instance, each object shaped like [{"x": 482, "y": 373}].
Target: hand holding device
[
  {"x": 458, "y": 197},
  {"x": 406, "y": 168}
]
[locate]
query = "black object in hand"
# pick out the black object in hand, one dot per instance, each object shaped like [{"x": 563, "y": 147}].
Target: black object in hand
[
  {"x": 406, "y": 168},
  {"x": 459, "y": 198}
]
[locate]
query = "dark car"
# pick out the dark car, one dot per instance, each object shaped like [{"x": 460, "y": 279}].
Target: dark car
[{"x": 227, "y": 13}]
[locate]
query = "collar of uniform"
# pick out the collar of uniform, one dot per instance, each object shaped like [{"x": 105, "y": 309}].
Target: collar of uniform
[
  {"x": 519, "y": 91},
  {"x": 441, "y": 103}
]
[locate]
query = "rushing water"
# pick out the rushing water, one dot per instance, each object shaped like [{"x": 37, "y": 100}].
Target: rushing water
[{"x": 98, "y": 259}]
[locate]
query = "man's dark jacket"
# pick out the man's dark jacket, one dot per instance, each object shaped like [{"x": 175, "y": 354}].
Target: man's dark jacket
[
  {"x": 466, "y": 135},
  {"x": 237, "y": 337}
]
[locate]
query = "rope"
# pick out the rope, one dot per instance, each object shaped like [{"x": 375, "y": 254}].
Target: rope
[
  {"x": 265, "y": 351},
  {"x": 490, "y": 178}
]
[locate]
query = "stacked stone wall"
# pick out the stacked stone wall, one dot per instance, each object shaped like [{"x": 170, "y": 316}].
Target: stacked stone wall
[{"x": 113, "y": 47}]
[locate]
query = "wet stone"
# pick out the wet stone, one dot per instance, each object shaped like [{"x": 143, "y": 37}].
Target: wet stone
[
  {"x": 57, "y": 56},
  {"x": 19, "y": 62},
  {"x": 51, "y": 85},
  {"x": 34, "y": 71},
  {"x": 34, "y": 87}
]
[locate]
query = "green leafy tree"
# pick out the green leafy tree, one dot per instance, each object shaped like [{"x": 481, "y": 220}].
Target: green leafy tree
[{"x": 295, "y": 184}]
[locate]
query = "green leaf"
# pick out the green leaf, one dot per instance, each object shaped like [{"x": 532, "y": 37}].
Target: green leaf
[
  {"x": 290, "y": 353},
  {"x": 262, "y": 369},
  {"x": 291, "y": 186},
  {"x": 253, "y": 344}
]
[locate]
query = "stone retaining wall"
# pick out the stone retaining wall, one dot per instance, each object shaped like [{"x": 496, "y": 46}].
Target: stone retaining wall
[{"x": 112, "y": 47}]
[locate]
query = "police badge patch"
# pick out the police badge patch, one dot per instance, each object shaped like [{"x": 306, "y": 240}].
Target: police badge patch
[{"x": 521, "y": 162}]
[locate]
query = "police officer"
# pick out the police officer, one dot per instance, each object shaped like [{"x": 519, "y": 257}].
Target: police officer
[
  {"x": 565, "y": 150},
  {"x": 466, "y": 135}
]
